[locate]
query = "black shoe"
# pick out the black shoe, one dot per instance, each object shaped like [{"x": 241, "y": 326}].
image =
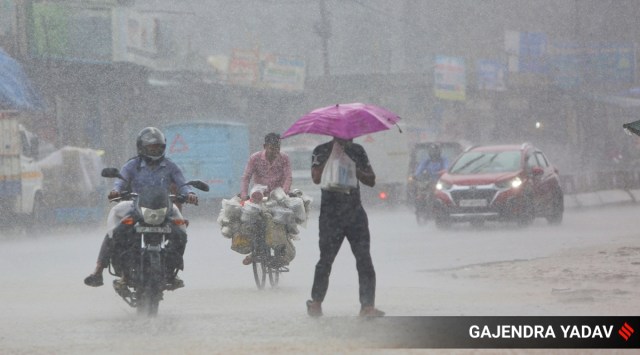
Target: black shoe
[
  {"x": 174, "y": 284},
  {"x": 93, "y": 280}
]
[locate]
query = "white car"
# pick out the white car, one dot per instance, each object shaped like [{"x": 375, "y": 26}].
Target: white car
[{"x": 300, "y": 157}]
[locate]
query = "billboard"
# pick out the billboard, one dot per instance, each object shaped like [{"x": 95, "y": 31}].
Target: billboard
[
  {"x": 71, "y": 33},
  {"x": 449, "y": 78},
  {"x": 283, "y": 73},
  {"x": 526, "y": 51},
  {"x": 244, "y": 67},
  {"x": 264, "y": 70},
  {"x": 491, "y": 75},
  {"x": 572, "y": 64}
]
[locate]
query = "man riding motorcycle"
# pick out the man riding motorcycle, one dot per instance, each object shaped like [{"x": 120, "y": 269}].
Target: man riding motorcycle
[
  {"x": 426, "y": 175},
  {"x": 149, "y": 168}
]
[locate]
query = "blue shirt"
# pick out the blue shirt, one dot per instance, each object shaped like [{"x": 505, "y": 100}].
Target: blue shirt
[
  {"x": 432, "y": 168},
  {"x": 141, "y": 174}
]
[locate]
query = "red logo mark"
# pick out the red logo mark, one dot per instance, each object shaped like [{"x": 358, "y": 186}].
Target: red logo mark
[
  {"x": 625, "y": 331},
  {"x": 178, "y": 145}
]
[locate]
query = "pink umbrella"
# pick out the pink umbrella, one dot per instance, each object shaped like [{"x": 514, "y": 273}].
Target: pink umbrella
[{"x": 344, "y": 121}]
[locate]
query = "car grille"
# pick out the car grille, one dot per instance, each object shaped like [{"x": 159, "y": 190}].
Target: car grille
[{"x": 473, "y": 194}]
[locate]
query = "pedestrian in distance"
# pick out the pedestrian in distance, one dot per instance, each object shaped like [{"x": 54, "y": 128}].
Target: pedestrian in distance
[{"x": 338, "y": 167}]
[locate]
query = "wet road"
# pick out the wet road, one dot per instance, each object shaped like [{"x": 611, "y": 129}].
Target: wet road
[{"x": 46, "y": 309}]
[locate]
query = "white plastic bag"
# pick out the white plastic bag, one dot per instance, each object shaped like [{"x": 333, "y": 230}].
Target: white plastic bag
[{"x": 339, "y": 172}]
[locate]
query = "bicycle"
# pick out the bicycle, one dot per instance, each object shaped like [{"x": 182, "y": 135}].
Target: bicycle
[{"x": 264, "y": 259}]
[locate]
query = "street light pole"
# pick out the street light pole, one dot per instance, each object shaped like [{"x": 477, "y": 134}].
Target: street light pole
[{"x": 323, "y": 29}]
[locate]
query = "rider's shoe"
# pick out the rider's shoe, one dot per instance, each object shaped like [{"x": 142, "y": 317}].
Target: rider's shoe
[
  {"x": 94, "y": 280},
  {"x": 174, "y": 283},
  {"x": 248, "y": 260},
  {"x": 371, "y": 311},
  {"x": 314, "y": 309}
]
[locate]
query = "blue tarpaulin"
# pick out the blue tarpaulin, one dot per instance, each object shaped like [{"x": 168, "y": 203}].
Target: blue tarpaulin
[{"x": 16, "y": 91}]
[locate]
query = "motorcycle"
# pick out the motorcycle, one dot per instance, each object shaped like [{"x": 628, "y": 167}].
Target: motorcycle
[
  {"x": 147, "y": 252},
  {"x": 424, "y": 194}
]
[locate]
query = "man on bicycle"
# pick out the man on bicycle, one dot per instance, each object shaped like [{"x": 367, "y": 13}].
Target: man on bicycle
[{"x": 269, "y": 167}]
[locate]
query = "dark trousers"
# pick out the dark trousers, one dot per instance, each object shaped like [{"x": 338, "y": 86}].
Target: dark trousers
[
  {"x": 342, "y": 215},
  {"x": 123, "y": 236}
]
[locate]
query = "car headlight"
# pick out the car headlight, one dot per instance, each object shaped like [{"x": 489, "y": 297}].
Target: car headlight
[
  {"x": 512, "y": 183},
  {"x": 441, "y": 185}
]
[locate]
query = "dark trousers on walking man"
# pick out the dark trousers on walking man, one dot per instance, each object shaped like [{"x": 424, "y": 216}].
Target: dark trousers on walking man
[{"x": 342, "y": 216}]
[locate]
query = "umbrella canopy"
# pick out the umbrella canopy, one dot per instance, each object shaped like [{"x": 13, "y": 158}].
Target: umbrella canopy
[
  {"x": 633, "y": 127},
  {"x": 344, "y": 121}
]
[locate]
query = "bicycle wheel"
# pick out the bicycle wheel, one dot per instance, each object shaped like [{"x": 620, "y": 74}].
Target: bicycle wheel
[
  {"x": 274, "y": 273},
  {"x": 259, "y": 272},
  {"x": 260, "y": 262}
]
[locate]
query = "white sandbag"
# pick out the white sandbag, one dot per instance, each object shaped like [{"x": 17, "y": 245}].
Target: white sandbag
[
  {"x": 296, "y": 204},
  {"x": 292, "y": 229},
  {"x": 232, "y": 209},
  {"x": 250, "y": 212},
  {"x": 278, "y": 194},
  {"x": 227, "y": 232},
  {"x": 282, "y": 215}
]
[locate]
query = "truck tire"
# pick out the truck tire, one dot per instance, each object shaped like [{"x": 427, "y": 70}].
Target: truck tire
[{"x": 36, "y": 221}]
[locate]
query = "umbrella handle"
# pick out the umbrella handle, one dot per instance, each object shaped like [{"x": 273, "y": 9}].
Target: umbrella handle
[{"x": 399, "y": 129}]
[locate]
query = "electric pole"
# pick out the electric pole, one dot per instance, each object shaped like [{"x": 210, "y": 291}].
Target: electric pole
[{"x": 323, "y": 29}]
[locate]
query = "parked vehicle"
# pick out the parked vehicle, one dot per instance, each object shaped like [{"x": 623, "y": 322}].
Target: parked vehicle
[
  {"x": 216, "y": 151},
  {"x": 500, "y": 182},
  {"x": 146, "y": 258},
  {"x": 21, "y": 197},
  {"x": 81, "y": 202},
  {"x": 300, "y": 158}
]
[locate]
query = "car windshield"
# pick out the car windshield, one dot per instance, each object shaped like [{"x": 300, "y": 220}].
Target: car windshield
[{"x": 487, "y": 162}]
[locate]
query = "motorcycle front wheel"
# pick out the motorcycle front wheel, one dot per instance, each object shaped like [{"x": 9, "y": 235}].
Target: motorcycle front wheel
[{"x": 152, "y": 283}]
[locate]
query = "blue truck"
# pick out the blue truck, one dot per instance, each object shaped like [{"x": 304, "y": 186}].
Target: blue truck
[{"x": 215, "y": 152}]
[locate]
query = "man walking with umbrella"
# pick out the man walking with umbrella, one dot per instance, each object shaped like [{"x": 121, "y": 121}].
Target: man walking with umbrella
[{"x": 339, "y": 166}]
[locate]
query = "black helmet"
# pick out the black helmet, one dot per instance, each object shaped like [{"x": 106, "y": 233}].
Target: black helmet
[
  {"x": 434, "y": 151},
  {"x": 147, "y": 137}
]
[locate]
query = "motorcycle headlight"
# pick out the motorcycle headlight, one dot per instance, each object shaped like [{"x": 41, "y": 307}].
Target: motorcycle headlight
[
  {"x": 441, "y": 185},
  {"x": 511, "y": 183},
  {"x": 154, "y": 216}
]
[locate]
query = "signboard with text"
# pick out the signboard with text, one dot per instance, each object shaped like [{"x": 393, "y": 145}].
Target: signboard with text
[
  {"x": 491, "y": 75},
  {"x": 284, "y": 73},
  {"x": 449, "y": 78}
]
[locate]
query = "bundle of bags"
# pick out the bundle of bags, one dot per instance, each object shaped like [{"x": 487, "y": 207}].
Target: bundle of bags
[{"x": 281, "y": 213}]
